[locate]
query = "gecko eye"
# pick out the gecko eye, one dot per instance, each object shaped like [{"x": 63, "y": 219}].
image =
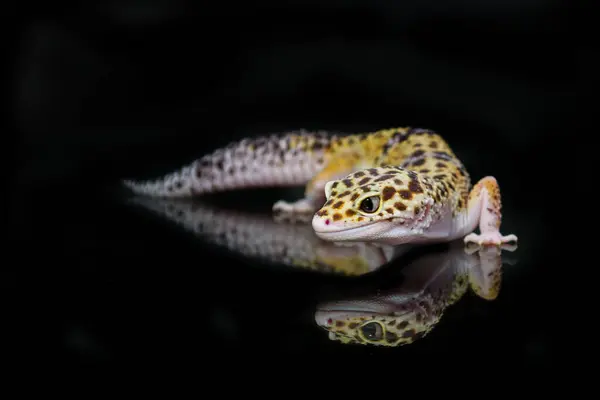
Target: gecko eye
[
  {"x": 370, "y": 204},
  {"x": 372, "y": 331}
]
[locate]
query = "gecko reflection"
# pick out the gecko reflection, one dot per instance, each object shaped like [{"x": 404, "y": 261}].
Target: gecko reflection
[
  {"x": 431, "y": 284},
  {"x": 258, "y": 236}
]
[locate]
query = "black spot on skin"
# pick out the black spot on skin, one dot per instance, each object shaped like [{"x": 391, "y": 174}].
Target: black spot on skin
[
  {"x": 359, "y": 174},
  {"x": 417, "y": 210},
  {"x": 178, "y": 185},
  {"x": 440, "y": 164},
  {"x": 339, "y": 324},
  {"x": 348, "y": 183},
  {"x": 352, "y": 325},
  {"x": 346, "y": 193},
  {"x": 337, "y": 205},
  {"x": 364, "y": 181},
  {"x": 354, "y": 196},
  {"x": 398, "y": 182},
  {"x": 198, "y": 172},
  {"x": 373, "y": 171},
  {"x": 424, "y": 171},
  {"x": 418, "y": 162},
  {"x": 402, "y": 324},
  {"x": 418, "y": 153},
  {"x": 219, "y": 164},
  {"x": 405, "y": 194},
  {"x": 439, "y": 177},
  {"x": 329, "y": 202},
  {"x": 417, "y": 145},
  {"x": 366, "y": 188},
  {"x": 322, "y": 213},
  {"x": 333, "y": 193},
  {"x": 382, "y": 178},
  {"x": 388, "y": 192},
  {"x": 409, "y": 333},
  {"x": 334, "y": 185},
  {"x": 391, "y": 337},
  {"x": 400, "y": 206},
  {"x": 433, "y": 144},
  {"x": 317, "y": 146}
]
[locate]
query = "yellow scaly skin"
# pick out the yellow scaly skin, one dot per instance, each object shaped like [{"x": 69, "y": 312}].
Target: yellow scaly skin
[
  {"x": 393, "y": 186},
  {"x": 407, "y": 186}
]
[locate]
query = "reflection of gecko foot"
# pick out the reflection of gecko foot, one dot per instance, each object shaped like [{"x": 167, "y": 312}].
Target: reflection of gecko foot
[
  {"x": 493, "y": 238},
  {"x": 301, "y": 210},
  {"x": 472, "y": 247}
]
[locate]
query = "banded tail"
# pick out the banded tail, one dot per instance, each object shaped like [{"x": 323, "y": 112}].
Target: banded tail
[{"x": 288, "y": 159}]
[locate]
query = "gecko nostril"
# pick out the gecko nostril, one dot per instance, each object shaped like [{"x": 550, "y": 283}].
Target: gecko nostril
[{"x": 326, "y": 222}]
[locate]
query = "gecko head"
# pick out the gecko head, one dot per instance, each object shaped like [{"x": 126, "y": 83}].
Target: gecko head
[
  {"x": 372, "y": 322},
  {"x": 376, "y": 205}
]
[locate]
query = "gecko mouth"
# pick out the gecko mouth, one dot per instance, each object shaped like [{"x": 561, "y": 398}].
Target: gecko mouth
[{"x": 364, "y": 231}]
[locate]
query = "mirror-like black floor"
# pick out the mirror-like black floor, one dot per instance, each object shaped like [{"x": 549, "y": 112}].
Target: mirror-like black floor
[{"x": 151, "y": 281}]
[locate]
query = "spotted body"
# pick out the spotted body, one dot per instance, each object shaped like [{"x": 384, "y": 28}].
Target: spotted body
[
  {"x": 405, "y": 314},
  {"x": 393, "y": 186}
]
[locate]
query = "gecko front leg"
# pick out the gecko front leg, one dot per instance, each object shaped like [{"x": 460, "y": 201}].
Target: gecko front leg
[{"x": 484, "y": 209}]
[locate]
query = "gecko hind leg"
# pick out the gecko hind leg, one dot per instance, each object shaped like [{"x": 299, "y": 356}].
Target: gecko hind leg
[{"x": 484, "y": 207}]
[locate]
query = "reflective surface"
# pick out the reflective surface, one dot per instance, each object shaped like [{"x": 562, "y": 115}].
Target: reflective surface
[{"x": 431, "y": 283}]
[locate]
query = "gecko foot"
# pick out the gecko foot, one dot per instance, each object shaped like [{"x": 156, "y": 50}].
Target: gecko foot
[
  {"x": 301, "y": 210},
  {"x": 491, "y": 238}
]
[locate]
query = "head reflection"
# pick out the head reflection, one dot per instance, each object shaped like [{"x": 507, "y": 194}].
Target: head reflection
[{"x": 432, "y": 283}]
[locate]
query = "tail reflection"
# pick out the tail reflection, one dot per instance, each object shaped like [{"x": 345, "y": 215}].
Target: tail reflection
[
  {"x": 403, "y": 315},
  {"x": 259, "y": 236}
]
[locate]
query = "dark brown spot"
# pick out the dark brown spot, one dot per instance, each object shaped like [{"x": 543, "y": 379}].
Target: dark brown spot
[
  {"x": 346, "y": 193},
  {"x": 334, "y": 184},
  {"x": 417, "y": 209},
  {"x": 364, "y": 181},
  {"x": 409, "y": 333},
  {"x": 360, "y": 219},
  {"x": 373, "y": 171},
  {"x": 350, "y": 212},
  {"x": 439, "y": 177},
  {"x": 352, "y": 325},
  {"x": 337, "y": 216},
  {"x": 380, "y": 214},
  {"x": 400, "y": 205},
  {"x": 389, "y": 210},
  {"x": 405, "y": 194},
  {"x": 359, "y": 174},
  {"x": 339, "y": 324},
  {"x": 388, "y": 192},
  {"x": 414, "y": 186},
  {"x": 418, "y": 153},
  {"x": 391, "y": 337},
  {"x": 424, "y": 171},
  {"x": 383, "y": 178},
  {"x": 417, "y": 145},
  {"x": 440, "y": 164},
  {"x": 333, "y": 193},
  {"x": 366, "y": 188},
  {"x": 402, "y": 325},
  {"x": 328, "y": 203},
  {"x": 398, "y": 182},
  {"x": 322, "y": 212},
  {"x": 348, "y": 183},
  {"x": 339, "y": 204},
  {"x": 354, "y": 196},
  {"x": 418, "y": 162},
  {"x": 219, "y": 164},
  {"x": 433, "y": 144}
]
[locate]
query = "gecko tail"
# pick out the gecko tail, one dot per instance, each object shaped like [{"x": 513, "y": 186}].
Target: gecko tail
[{"x": 289, "y": 159}]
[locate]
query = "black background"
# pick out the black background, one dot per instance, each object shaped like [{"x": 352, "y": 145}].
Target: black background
[{"x": 132, "y": 89}]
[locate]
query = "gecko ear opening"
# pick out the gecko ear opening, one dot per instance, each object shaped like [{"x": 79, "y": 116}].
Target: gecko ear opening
[{"x": 328, "y": 186}]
